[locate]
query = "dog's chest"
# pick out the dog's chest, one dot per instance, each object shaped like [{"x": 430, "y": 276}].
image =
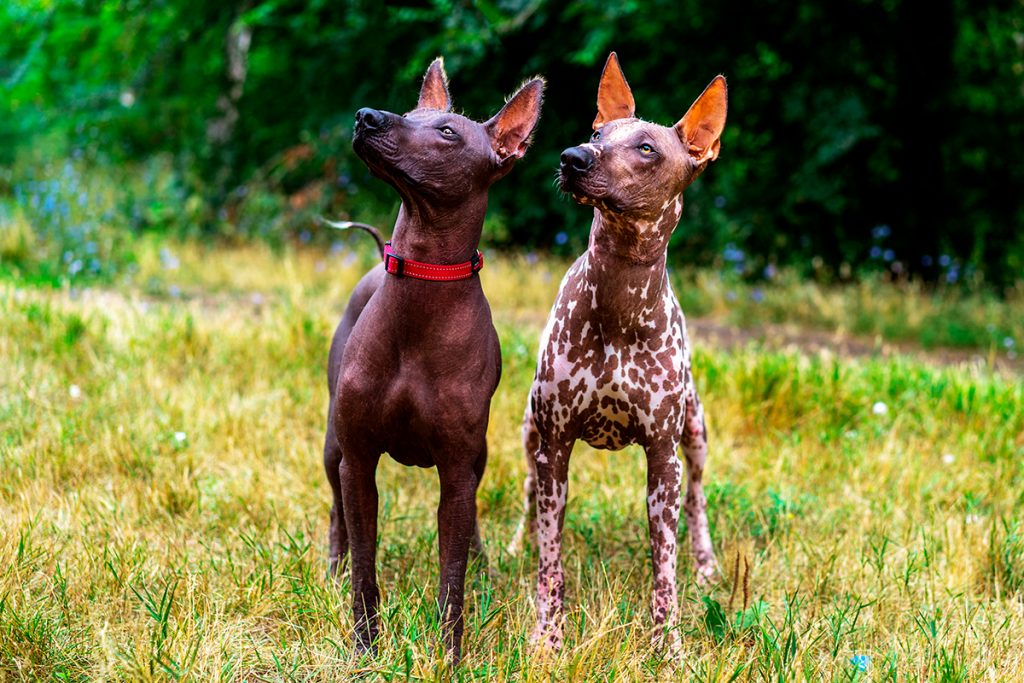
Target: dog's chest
[
  {"x": 607, "y": 384},
  {"x": 421, "y": 396}
]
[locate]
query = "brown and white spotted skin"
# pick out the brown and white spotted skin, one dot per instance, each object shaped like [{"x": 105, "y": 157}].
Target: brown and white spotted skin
[{"x": 614, "y": 366}]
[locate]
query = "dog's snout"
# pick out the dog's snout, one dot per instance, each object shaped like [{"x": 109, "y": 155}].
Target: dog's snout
[
  {"x": 577, "y": 160},
  {"x": 370, "y": 119}
]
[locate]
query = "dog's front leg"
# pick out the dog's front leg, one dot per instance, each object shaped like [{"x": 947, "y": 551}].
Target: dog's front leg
[
  {"x": 552, "y": 467},
  {"x": 664, "y": 478},
  {"x": 359, "y": 493},
  {"x": 695, "y": 448},
  {"x": 456, "y": 524}
]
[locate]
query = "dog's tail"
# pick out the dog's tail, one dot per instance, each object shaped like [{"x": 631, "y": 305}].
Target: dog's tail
[{"x": 345, "y": 225}]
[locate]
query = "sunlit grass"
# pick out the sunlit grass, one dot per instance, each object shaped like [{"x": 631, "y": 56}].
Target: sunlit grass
[{"x": 164, "y": 510}]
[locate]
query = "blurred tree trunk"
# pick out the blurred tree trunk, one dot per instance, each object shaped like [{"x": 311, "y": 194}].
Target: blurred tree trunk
[{"x": 220, "y": 131}]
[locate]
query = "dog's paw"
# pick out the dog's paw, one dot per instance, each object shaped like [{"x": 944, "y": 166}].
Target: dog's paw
[
  {"x": 361, "y": 649},
  {"x": 482, "y": 571},
  {"x": 518, "y": 542},
  {"x": 707, "y": 574},
  {"x": 666, "y": 640},
  {"x": 546, "y": 638},
  {"x": 336, "y": 568}
]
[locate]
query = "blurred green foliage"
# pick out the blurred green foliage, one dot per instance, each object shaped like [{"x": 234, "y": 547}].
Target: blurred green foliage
[{"x": 863, "y": 135}]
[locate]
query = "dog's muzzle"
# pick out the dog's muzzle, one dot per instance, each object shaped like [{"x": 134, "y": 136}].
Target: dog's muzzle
[
  {"x": 576, "y": 161},
  {"x": 370, "y": 121}
]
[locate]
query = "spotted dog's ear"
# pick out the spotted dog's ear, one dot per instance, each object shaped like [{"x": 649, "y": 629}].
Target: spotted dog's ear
[
  {"x": 614, "y": 98},
  {"x": 434, "y": 93},
  {"x": 701, "y": 128}
]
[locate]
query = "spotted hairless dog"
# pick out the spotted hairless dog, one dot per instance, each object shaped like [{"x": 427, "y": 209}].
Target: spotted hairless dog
[
  {"x": 415, "y": 358},
  {"x": 614, "y": 361}
]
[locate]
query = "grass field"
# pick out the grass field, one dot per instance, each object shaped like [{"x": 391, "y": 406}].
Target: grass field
[{"x": 163, "y": 509}]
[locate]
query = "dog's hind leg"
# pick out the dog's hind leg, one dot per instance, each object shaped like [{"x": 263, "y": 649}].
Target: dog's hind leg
[
  {"x": 695, "y": 448},
  {"x": 476, "y": 545},
  {"x": 664, "y": 479},
  {"x": 337, "y": 536},
  {"x": 528, "y": 522}
]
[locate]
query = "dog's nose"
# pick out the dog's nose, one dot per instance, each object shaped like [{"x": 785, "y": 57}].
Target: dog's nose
[
  {"x": 577, "y": 160},
  {"x": 370, "y": 119}
]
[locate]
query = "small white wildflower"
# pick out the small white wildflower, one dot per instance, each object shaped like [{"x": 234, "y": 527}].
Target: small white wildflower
[
  {"x": 75, "y": 391},
  {"x": 127, "y": 99},
  {"x": 972, "y": 518},
  {"x": 879, "y": 408},
  {"x": 948, "y": 458},
  {"x": 180, "y": 437}
]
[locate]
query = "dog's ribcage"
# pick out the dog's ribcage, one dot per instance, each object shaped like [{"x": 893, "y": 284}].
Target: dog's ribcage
[{"x": 613, "y": 380}]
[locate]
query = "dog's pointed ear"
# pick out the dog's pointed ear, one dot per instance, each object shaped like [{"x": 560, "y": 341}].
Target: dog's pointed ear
[
  {"x": 701, "y": 128},
  {"x": 511, "y": 127},
  {"x": 614, "y": 98},
  {"x": 434, "y": 93}
]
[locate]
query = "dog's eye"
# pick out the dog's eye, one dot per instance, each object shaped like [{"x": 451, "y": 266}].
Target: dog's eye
[
  {"x": 646, "y": 149},
  {"x": 447, "y": 131},
  {"x": 596, "y": 136}
]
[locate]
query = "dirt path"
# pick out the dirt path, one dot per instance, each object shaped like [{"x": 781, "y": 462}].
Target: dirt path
[
  {"x": 712, "y": 332},
  {"x": 704, "y": 331},
  {"x": 716, "y": 333}
]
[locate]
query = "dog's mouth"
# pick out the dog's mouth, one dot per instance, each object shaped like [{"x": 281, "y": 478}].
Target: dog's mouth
[
  {"x": 597, "y": 203},
  {"x": 377, "y": 151},
  {"x": 582, "y": 193},
  {"x": 373, "y": 138},
  {"x": 368, "y": 144}
]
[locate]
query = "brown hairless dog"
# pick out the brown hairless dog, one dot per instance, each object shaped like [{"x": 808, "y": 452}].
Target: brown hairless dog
[
  {"x": 614, "y": 362},
  {"x": 415, "y": 359}
]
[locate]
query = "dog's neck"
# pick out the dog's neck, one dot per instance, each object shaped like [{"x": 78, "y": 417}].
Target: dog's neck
[
  {"x": 640, "y": 238},
  {"x": 626, "y": 264},
  {"x": 441, "y": 236}
]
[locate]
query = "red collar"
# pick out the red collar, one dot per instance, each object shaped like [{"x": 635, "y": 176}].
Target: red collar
[{"x": 403, "y": 267}]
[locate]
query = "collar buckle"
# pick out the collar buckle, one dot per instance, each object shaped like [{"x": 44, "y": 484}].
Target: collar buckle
[{"x": 391, "y": 257}]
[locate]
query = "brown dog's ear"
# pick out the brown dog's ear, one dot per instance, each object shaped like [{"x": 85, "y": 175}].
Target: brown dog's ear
[
  {"x": 511, "y": 127},
  {"x": 614, "y": 98},
  {"x": 701, "y": 127},
  {"x": 434, "y": 93}
]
